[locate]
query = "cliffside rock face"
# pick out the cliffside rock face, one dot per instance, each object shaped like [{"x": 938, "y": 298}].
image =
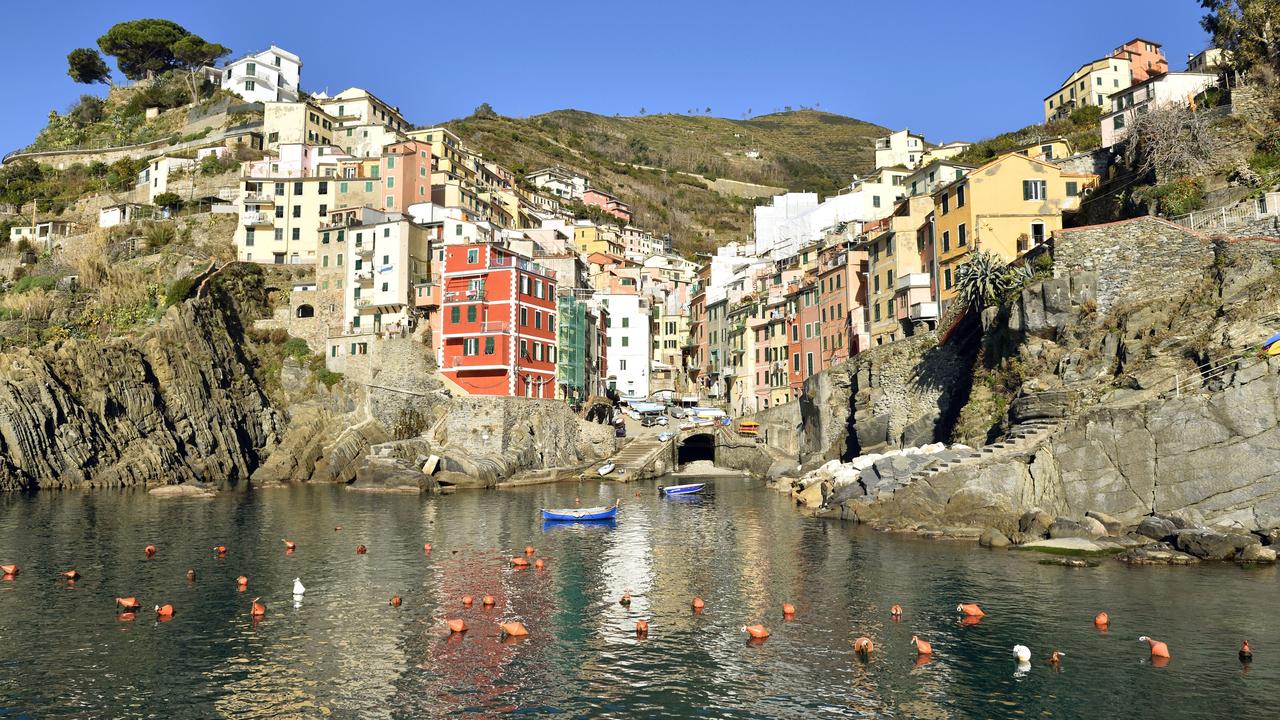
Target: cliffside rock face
[{"x": 177, "y": 404}]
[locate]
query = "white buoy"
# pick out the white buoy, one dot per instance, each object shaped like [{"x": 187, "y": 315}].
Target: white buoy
[
  {"x": 297, "y": 587},
  {"x": 1022, "y": 652}
]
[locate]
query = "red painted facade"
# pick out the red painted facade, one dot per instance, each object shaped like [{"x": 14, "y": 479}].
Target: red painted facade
[{"x": 498, "y": 324}]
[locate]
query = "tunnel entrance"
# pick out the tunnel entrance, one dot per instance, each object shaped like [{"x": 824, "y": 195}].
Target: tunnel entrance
[{"x": 699, "y": 446}]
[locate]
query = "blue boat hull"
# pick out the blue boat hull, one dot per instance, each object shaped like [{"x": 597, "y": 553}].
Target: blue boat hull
[
  {"x": 585, "y": 515},
  {"x": 683, "y": 489}
]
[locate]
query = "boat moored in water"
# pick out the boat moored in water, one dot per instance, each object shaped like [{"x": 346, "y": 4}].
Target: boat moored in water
[{"x": 688, "y": 489}]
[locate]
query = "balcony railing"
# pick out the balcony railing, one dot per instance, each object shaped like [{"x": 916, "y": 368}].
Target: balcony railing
[
  {"x": 494, "y": 326},
  {"x": 364, "y": 249},
  {"x": 913, "y": 280},
  {"x": 364, "y": 275},
  {"x": 259, "y": 197},
  {"x": 924, "y": 311},
  {"x": 464, "y": 296},
  {"x": 253, "y": 217},
  {"x": 363, "y": 302}
]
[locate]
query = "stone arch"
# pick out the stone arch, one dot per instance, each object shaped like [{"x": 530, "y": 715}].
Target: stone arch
[
  {"x": 698, "y": 446},
  {"x": 305, "y": 311}
]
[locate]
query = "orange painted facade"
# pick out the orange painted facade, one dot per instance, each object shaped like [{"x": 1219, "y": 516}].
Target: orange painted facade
[
  {"x": 406, "y": 171},
  {"x": 498, "y": 322}
]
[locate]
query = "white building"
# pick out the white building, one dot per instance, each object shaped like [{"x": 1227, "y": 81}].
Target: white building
[
  {"x": 629, "y": 343},
  {"x": 867, "y": 199},
  {"x": 268, "y": 76},
  {"x": 932, "y": 176},
  {"x": 155, "y": 176},
  {"x": 901, "y": 148},
  {"x": 1160, "y": 91},
  {"x": 559, "y": 182},
  {"x": 387, "y": 259},
  {"x": 113, "y": 215},
  {"x": 769, "y": 219}
]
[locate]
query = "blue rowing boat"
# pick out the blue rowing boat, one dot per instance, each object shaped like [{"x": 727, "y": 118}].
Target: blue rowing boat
[
  {"x": 689, "y": 489},
  {"x": 607, "y": 512}
]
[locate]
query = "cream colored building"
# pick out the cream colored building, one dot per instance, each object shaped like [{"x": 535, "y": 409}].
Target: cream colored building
[
  {"x": 285, "y": 123},
  {"x": 281, "y": 218},
  {"x": 896, "y": 276},
  {"x": 1092, "y": 84}
]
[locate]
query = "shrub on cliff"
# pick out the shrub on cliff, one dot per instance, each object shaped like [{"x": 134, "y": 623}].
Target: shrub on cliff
[{"x": 34, "y": 282}]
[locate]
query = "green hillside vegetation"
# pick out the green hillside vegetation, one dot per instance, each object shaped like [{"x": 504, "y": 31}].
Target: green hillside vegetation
[
  {"x": 1080, "y": 128},
  {"x": 637, "y": 159}
]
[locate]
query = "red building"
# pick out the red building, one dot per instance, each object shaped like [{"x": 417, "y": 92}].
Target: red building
[{"x": 498, "y": 326}]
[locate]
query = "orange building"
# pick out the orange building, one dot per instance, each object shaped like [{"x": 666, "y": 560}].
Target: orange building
[
  {"x": 498, "y": 326},
  {"x": 1146, "y": 58}
]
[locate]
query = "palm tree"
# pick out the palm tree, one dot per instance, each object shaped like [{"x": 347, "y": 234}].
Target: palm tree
[{"x": 983, "y": 280}]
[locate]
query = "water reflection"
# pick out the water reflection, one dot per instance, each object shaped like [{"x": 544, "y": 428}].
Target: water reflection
[{"x": 342, "y": 651}]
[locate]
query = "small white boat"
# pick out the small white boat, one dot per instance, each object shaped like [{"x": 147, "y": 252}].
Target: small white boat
[{"x": 605, "y": 469}]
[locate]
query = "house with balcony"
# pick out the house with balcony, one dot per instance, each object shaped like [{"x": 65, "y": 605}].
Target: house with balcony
[
  {"x": 559, "y": 182},
  {"x": 607, "y": 202},
  {"x": 927, "y": 178},
  {"x": 268, "y": 76},
  {"x": 1091, "y": 84},
  {"x": 153, "y": 179},
  {"x": 1146, "y": 58},
  {"x": 628, "y": 335},
  {"x": 900, "y": 293},
  {"x": 902, "y": 148},
  {"x": 1007, "y": 206},
  {"x": 1178, "y": 88},
  {"x": 498, "y": 325}
]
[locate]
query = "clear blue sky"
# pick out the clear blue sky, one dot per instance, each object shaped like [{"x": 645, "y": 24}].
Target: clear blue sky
[{"x": 952, "y": 69}]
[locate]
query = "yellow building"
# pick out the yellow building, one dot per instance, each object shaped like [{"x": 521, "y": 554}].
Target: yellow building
[
  {"x": 280, "y": 218},
  {"x": 1049, "y": 150},
  {"x": 1007, "y": 206},
  {"x": 290, "y": 123},
  {"x": 1092, "y": 84},
  {"x": 899, "y": 292},
  {"x": 591, "y": 238}
]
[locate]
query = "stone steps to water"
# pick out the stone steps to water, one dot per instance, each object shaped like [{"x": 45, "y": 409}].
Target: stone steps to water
[{"x": 1020, "y": 439}]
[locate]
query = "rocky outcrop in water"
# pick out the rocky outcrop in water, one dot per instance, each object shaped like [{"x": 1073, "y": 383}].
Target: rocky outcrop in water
[{"x": 177, "y": 404}]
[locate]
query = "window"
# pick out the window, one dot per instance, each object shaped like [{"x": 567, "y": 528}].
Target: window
[
  {"x": 626, "y": 341},
  {"x": 488, "y": 346},
  {"x": 524, "y": 349},
  {"x": 455, "y": 314},
  {"x": 297, "y": 234},
  {"x": 551, "y": 322},
  {"x": 959, "y": 197},
  {"x": 524, "y": 316},
  {"x": 946, "y": 241},
  {"x": 948, "y": 279},
  {"x": 1073, "y": 189},
  {"x": 248, "y": 237},
  {"x": 391, "y": 182},
  {"x": 1033, "y": 189},
  {"x": 537, "y": 320},
  {"x": 297, "y": 188},
  {"x": 626, "y": 322},
  {"x": 471, "y": 313},
  {"x": 324, "y": 187},
  {"x": 877, "y": 312},
  {"x": 1037, "y": 233},
  {"x": 339, "y": 259},
  {"x": 473, "y": 254},
  {"x": 273, "y": 137},
  {"x": 471, "y": 346},
  {"x": 962, "y": 236},
  {"x": 946, "y": 203},
  {"x": 877, "y": 283},
  {"x": 384, "y": 287},
  {"x": 250, "y": 85},
  {"x": 875, "y": 201},
  {"x": 1118, "y": 122},
  {"x": 297, "y": 211},
  {"x": 324, "y": 210},
  {"x": 795, "y": 362}
]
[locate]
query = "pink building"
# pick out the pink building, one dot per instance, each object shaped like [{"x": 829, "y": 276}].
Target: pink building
[
  {"x": 406, "y": 172},
  {"x": 608, "y": 203}
]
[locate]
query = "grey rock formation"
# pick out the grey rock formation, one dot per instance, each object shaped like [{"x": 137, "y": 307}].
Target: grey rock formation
[
  {"x": 1065, "y": 528},
  {"x": 1211, "y": 545},
  {"x": 993, "y": 538},
  {"x": 178, "y": 404},
  {"x": 1156, "y": 528}
]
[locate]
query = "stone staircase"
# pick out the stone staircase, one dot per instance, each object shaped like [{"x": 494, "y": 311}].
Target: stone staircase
[
  {"x": 636, "y": 458},
  {"x": 1022, "y": 439}
]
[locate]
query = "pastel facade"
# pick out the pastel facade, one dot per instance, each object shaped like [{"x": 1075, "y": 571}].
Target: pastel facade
[
  {"x": 272, "y": 75},
  {"x": 1092, "y": 84},
  {"x": 294, "y": 123},
  {"x": 155, "y": 176},
  {"x": 1146, "y": 58},
  {"x": 1161, "y": 91},
  {"x": 901, "y": 149},
  {"x": 628, "y": 337}
]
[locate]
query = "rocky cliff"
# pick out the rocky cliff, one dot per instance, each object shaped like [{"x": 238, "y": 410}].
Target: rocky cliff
[
  {"x": 1127, "y": 384},
  {"x": 179, "y": 403}
]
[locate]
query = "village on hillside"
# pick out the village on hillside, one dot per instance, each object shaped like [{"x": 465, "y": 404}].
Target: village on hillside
[{"x": 539, "y": 285}]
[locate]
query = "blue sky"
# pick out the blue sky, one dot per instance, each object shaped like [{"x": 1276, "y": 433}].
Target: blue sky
[{"x": 952, "y": 69}]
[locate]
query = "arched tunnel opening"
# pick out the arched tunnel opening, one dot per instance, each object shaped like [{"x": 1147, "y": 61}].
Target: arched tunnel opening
[{"x": 699, "y": 446}]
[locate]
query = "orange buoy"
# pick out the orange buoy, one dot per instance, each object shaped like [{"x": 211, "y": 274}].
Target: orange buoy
[
  {"x": 289, "y": 545},
  {"x": 191, "y": 575},
  {"x": 538, "y": 564},
  {"x": 395, "y": 601},
  {"x": 71, "y": 574},
  {"x": 487, "y": 600},
  {"x": 456, "y": 626},
  {"x": 467, "y": 600},
  {"x": 221, "y": 550},
  {"x": 514, "y": 629},
  {"x": 528, "y": 549},
  {"x": 149, "y": 551},
  {"x": 129, "y": 604},
  {"x": 863, "y": 645},
  {"x": 1158, "y": 649},
  {"x": 127, "y": 616},
  {"x": 361, "y": 550},
  {"x": 243, "y": 582},
  {"x": 626, "y": 598},
  {"x": 970, "y": 610},
  {"x": 788, "y": 610},
  {"x": 922, "y": 647},
  {"x": 426, "y": 548},
  {"x": 895, "y": 611},
  {"x": 642, "y": 628},
  {"x": 9, "y": 570},
  {"x": 164, "y": 611},
  {"x": 257, "y": 609},
  {"x": 1101, "y": 620},
  {"x": 519, "y": 562},
  {"x": 698, "y": 604},
  {"x": 757, "y": 631}
]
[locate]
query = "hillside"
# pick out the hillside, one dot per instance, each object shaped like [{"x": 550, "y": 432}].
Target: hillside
[{"x": 803, "y": 150}]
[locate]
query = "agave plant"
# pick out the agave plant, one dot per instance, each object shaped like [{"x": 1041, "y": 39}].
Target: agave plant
[{"x": 983, "y": 280}]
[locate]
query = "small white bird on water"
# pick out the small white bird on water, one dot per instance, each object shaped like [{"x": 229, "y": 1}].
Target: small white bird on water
[
  {"x": 1022, "y": 652},
  {"x": 297, "y": 587}
]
